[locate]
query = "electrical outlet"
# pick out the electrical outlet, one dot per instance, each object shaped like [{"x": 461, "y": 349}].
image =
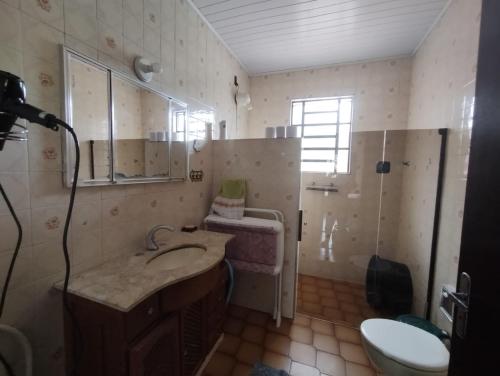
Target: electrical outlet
[{"x": 196, "y": 175}]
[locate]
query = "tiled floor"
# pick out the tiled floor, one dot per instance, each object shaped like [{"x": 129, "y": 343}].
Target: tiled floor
[
  {"x": 337, "y": 301},
  {"x": 303, "y": 347}
]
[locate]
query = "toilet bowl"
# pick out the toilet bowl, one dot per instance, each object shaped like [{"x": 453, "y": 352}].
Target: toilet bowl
[{"x": 399, "y": 349}]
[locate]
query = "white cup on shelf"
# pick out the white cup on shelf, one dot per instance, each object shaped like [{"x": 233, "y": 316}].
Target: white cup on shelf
[
  {"x": 270, "y": 132},
  {"x": 280, "y": 132},
  {"x": 292, "y": 131}
]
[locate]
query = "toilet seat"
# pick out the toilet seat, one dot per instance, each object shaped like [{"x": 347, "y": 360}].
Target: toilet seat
[{"x": 406, "y": 344}]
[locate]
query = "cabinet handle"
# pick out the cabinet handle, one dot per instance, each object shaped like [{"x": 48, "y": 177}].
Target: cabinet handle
[{"x": 150, "y": 311}]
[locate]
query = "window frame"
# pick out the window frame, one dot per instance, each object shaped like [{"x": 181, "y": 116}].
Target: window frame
[{"x": 337, "y": 125}]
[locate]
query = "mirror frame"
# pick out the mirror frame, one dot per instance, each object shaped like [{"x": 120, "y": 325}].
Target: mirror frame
[{"x": 68, "y": 147}]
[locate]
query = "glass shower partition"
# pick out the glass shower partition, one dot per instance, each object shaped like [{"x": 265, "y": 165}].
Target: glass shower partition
[{"x": 367, "y": 234}]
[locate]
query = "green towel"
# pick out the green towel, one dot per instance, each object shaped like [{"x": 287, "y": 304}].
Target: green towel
[{"x": 233, "y": 188}]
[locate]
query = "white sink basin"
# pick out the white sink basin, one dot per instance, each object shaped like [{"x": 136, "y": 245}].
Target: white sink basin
[{"x": 176, "y": 257}]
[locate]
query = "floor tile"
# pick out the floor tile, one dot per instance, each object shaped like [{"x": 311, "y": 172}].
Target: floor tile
[
  {"x": 349, "y": 307},
  {"x": 220, "y": 365},
  {"x": 345, "y": 297},
  {"x": 342, "y": 288},
  {"x": 229, "y": 344},
  {"x": 353, "y": 369},
  {"x": 254, "y": 333},
  {"x": 312, "y": 308},
  {"x": 302, "y": 320},
  {"x": 300, "y": 333},
  {"x": 326, "y": 343},
  {"x": 309, "y": 297},
  {"x": 233, "y": 326},
  {"x": 327, "y": 293},
  {"x": 249, "y": 353},
  {"x": 340, "y": 301},
  {"x": 333, "y": 314},
  {"x": 354, "y": 319},
  {"x": 324, "y": 283},
  {"x": 258, "y": 318},
  {"x": 274, "y": 346},
  {"x": 299, "y": 369},
  {"x": 302, "y": 353},
  {"x": 308, "y": 288},
  {"x": 284, "y": 328},
  {"x": 241, "y": 369},
  {"x": 330, "y": 302},
  {"x": 278, "y": 343},
  {"x": 332, "y": 365},
  {"x": 343, "y": 333},
  {"x": 354, "y": 353},
  {"x": 276, "y": 361},
  {"x": 322, "y": 326}
]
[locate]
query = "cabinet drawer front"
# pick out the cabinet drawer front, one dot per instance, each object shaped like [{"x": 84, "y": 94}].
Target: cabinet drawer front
[
  {"x": 158, "y": 352},
  {"x": 140, "y": 317},
  {"x": 184, "y": 293}
]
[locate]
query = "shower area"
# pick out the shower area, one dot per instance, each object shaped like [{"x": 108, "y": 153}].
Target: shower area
[{"x": 381, "y": 212}]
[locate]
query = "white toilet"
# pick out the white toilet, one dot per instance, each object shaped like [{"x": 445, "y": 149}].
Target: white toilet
[{"x": 399, "y": 349}]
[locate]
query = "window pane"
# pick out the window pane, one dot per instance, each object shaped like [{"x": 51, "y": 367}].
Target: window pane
[
  {"x": 321, "y": 130},
  {"x": 322, "y": 105},
  {"x": 345, "y": 110},
  {"x": 296, "y": 113},
  {"x": 319, "y": 154},
  {"x": 318, "y": 166},
  {"x": 321, "y": 118},
  {"x": 343, "y": 161},
  {"x": 344, "y": 135},
  {"x": 318, "y": 142}
]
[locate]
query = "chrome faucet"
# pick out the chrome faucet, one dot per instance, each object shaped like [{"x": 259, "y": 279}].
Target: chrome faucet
[{"x": 151, "y": 244}]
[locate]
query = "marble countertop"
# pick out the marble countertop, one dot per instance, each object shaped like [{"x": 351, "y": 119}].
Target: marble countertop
[{"x": 124, "y": 282}]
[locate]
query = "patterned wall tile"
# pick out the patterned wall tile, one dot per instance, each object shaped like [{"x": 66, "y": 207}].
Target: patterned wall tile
[
  {"x": 380, "y": 89},
  {"x": 443, "y": 77},
  {"x": 261, "y": 163}
]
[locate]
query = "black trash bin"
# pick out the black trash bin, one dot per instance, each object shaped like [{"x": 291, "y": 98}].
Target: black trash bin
[{"x": 389, "y": 286}]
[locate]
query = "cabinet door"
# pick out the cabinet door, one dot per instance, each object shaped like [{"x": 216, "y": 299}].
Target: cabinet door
[
  {"x": 157, "y": 353},
  {"x": 193, "y": 337}
]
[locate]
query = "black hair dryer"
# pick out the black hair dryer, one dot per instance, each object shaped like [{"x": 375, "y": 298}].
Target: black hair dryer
[{"x": 13, "y": 105}]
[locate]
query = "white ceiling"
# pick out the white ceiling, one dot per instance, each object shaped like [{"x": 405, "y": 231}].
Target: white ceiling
[{"x": 278, "y": 35}]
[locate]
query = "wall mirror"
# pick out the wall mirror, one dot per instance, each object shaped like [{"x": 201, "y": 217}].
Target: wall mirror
[{"x": 128, "y": 132}]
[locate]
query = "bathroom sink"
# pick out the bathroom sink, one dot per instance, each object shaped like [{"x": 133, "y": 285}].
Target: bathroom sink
[{"x": 176, "y": 257}]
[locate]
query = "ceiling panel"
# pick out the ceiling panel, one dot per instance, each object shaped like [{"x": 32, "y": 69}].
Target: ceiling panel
[{"x": 276, "y": 35}]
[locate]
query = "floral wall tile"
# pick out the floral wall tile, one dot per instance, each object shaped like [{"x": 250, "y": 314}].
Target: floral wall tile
[{"x": 443, "y": 78}]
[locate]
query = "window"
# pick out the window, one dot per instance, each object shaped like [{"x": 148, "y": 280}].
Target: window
[
  {"x": 197, "y": 124},
  {"x": 326, "y": 133},
  {"x": 179, "y": 118}
]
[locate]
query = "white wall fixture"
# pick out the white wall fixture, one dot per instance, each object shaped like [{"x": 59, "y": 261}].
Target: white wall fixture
[{"x": 144, "y": 69}]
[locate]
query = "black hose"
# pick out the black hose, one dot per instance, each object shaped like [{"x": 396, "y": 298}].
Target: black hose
[
  {"x": 6, "y": 366},
  {"x": 77, "y": 335},
  {"x": 16, "y": 251},
  {"x": 3, "y": 361}
]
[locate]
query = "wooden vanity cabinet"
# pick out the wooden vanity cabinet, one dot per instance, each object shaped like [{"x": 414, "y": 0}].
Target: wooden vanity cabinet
[{"x": 168, "y": 334}]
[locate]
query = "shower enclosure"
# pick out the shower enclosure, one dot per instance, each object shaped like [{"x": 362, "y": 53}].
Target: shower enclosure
[{"x": 384, "y": 206}]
